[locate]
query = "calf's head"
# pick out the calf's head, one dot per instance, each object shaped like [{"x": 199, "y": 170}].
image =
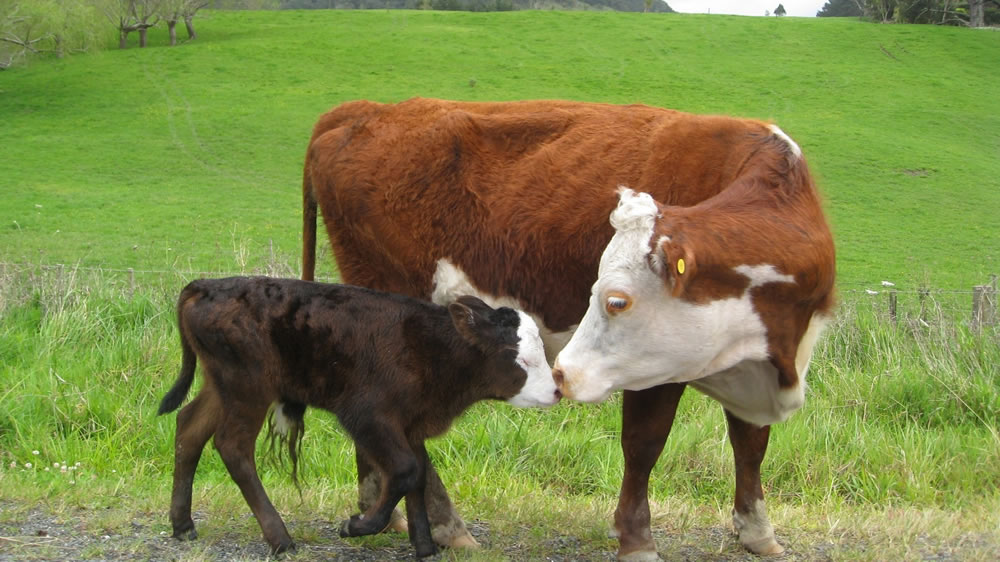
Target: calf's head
[
  {"x": 684, "y": 293},
  {"x": 515, "y": 368}
]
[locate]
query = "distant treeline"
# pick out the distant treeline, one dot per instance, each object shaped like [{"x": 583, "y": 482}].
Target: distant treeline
[{"x": 456, "y": 5}]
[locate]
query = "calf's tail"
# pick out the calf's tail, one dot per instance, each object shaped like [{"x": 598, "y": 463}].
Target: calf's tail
[{"x": 172, "y": 400}]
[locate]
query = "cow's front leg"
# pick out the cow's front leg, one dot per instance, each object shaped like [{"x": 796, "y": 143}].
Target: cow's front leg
[
  {"x": 749, "y": 512},
  {"x": 647, "y": 416}
]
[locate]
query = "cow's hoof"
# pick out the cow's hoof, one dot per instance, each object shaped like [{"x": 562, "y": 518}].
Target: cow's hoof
[
  {"x": 765, "y": 546},
  {"x": 397, "y": 524},
  {"x": 464, "y": 541},
  {"x": 640, "y": 556}
]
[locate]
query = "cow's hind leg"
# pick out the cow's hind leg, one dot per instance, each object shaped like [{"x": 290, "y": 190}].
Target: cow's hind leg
[
  {"x": 235, "y": 441},
  {"x": 647, "y": 416},
  {"x": 749, "y": 512},
  {"x": 196, "y": 423}
]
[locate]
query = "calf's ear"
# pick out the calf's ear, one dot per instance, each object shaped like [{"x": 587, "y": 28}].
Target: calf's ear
[{"x": 471, "y": 318}]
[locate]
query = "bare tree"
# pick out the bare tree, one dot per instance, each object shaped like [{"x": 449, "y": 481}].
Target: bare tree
[
  {"x": 174, "y": 11},
  {"x": 132, "y": 15},
  {"x": 191, "y": 8}
]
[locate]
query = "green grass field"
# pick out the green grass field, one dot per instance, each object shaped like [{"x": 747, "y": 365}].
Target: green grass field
[{"x": 173, "y": 161}]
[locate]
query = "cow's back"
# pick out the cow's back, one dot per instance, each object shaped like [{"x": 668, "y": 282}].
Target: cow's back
[{"x": 516, "y": 195}]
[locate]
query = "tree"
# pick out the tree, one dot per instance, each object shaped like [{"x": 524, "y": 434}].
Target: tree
[
  {"x": 176, "y": 10},
  {"x": 780, "y": 10},
  {"x": 840, "y": 9},
  {"x": 37, "y": 27},
  {"x": 132, "y": 15}
]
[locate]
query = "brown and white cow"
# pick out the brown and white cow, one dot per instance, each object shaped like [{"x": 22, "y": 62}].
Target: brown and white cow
[{"x": 716, "y": 269}]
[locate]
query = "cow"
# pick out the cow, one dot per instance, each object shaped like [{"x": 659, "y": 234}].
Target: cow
[
  {"x": 393, "y": 369},
  {"x": 681, "y": 249}
]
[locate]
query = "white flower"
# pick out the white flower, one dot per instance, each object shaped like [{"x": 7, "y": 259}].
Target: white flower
[
  {"x": 34, "y": 452},
  {"x": 27, "y": 465}
]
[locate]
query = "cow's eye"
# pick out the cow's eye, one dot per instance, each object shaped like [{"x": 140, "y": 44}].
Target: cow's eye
[{"x": 615, "y": 302}]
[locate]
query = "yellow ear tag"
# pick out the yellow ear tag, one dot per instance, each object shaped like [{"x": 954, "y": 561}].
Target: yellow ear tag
[{"x": 680, "y": 266}]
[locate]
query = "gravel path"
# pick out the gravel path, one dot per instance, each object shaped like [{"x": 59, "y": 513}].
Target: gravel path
[{"x": 35, "y": 534}]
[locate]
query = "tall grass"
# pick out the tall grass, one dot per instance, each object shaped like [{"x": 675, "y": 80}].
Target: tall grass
[{"x": 903, "y": 415}]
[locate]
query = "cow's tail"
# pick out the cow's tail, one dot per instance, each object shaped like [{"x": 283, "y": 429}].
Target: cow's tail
[
  {"x": 286, "y": 425},
  {"x": 308, "y": 226},
  {"x": 172, "y": 400}
]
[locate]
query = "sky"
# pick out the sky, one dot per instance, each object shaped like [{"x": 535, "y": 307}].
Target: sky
[{"x": 802, "y": 8}]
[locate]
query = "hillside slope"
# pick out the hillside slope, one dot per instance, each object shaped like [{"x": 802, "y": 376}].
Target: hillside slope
[{"x": 190, "y": 157}]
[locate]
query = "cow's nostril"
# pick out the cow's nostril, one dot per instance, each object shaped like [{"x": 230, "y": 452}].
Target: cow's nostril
[{"x": 557, "y": 375}]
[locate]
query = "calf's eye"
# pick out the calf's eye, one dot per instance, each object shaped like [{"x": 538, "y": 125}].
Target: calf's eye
[{"x": 616, "y": 302}]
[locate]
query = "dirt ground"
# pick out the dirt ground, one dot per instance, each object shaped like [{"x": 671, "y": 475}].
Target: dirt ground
[{"x": 34, "y": 534}]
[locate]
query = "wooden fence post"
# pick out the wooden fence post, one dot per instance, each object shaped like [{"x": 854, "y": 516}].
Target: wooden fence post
[
  {"x": 892, "y": 306},
  {"x": 984, "y": 306},
  {"x": 131, "y": 282}
]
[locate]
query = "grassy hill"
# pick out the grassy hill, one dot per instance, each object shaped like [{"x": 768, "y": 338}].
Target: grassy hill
[{"x": 165, "y": 158}]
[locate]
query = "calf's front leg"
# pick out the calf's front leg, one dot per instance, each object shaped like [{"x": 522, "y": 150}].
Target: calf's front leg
[
  {"x": 400, "y": 470},
  {"x": 647, "y": 416},
  {"x": 416, "y": 510}
]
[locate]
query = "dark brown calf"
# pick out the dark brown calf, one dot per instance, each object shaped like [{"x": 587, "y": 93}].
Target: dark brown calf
[{"x": 394, "y": 370}]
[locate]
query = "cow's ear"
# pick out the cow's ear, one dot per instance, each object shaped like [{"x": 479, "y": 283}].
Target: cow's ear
[
  {"x": 471, "y": 318},
  {"x": 675, "y": 262}
]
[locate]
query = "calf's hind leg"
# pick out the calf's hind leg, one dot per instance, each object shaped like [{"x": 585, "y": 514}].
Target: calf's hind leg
[
  {"x": 235, "y": 441},
  {"x": 196, "y": 423}
]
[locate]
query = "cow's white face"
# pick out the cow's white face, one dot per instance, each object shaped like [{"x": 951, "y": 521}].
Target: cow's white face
[{"x": 637, "y": 335}]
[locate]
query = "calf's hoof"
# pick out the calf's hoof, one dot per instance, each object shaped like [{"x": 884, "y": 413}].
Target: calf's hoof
[
  {"x": 283, "y": 547},
  {"x": 345, "y": 528},
  {"x": 358, "y": 526},
  {"x": 425, "y": 550},
  {"x": 185, "y": 533}
]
